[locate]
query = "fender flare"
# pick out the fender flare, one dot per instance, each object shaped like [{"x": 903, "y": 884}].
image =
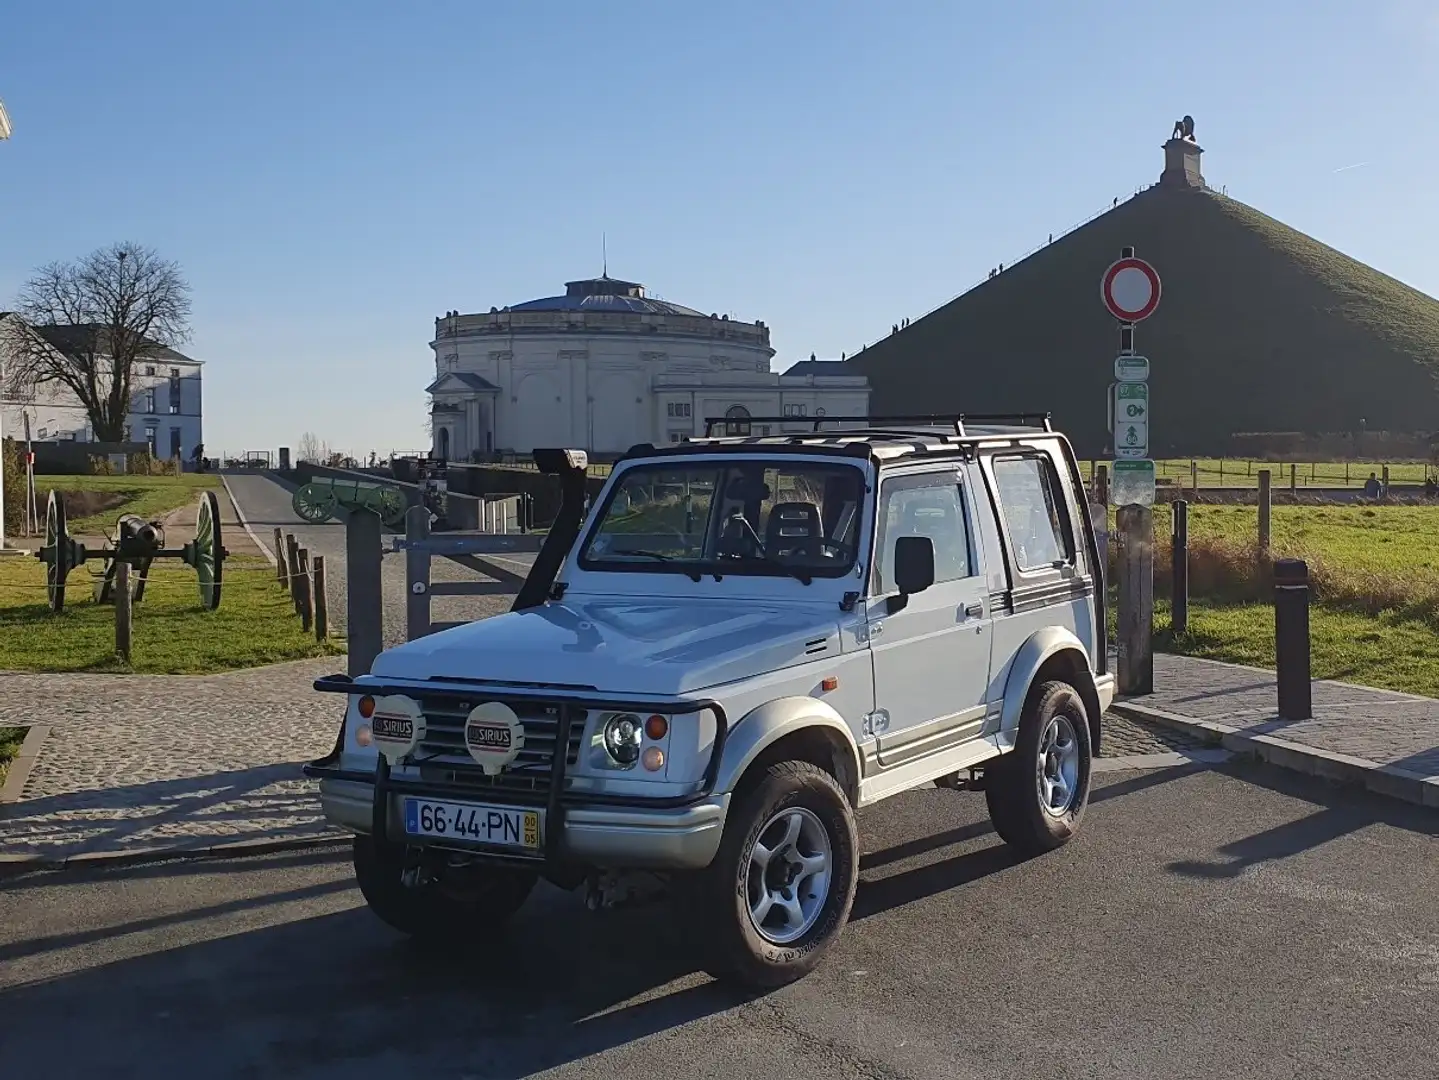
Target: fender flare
[
  {"x": 766, "y": 724},
  {"x": 1041, "y": 647}
]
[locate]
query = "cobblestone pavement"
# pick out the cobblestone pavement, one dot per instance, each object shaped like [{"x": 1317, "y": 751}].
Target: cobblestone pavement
[
  {"x": 1377, "y": 725},
  {"x": 136, "y": 762},
  {"x": 265, "y": 504},
  {"x": 1124, "y": 737}
]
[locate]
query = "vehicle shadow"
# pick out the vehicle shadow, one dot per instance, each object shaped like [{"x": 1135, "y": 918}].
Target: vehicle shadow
[{"x": 339, "y": 990}]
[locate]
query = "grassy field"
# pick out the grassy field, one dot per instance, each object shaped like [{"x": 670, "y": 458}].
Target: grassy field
[
  {"x": 10, "y": 740},
  {"x": 1244, "y": 472},
  {"x": 148, "y": 496},
  {"x": 172, "y": 635}
]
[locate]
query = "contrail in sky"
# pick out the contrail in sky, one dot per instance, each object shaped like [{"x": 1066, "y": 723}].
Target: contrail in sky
[{"x": 1358, "y": 165}]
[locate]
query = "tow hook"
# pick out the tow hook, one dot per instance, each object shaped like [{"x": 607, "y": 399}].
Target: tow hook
[{"x": 609, "y": 890}]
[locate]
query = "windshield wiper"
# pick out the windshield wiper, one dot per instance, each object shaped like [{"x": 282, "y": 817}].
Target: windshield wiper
[{"x": 660, "y": 556}]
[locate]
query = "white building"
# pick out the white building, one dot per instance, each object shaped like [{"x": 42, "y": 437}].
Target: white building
[
  {"x": 604, "y": 367},
  {"x": 166, "y": 402}
]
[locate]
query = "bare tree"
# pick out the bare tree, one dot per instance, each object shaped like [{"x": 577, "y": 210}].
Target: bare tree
[
  {"x": 311, "y": 449},
  {"x": 89, "y": 321}
]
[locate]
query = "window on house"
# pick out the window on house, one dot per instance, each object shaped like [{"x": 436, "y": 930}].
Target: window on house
[
  {"x": 150, "y": 438},
  {"x": 737, "y": 420},
  {"x": 174, "y": 373},
  {"x": 795, "y": 410},
  {"x": 149, "y": 400},
  {"x": 149, "y": 369}
]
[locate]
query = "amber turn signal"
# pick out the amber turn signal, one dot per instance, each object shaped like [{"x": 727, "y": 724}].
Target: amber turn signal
[
  {"x": 657, "y": 727},
  {"x": 367, "y": 706},
  {"x": 829, "y": 682}
]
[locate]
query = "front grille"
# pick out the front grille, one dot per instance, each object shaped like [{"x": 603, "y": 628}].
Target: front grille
[{"x": 443, "y": 759}]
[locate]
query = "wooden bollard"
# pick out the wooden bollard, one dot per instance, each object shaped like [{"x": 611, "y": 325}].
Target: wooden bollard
[
  {"x": 122, "y": 610},
  {"x": 302, "y": 589},
  {"x": 1293, "y": 478},
  {"x": 1101, "y": 484},
  {"x": 280, "y": 560},
  {"x": 292, "y": 568},
  {"x": 1266, "y": 502},
  {"x": 1193, "y": 476},
  {"x": 322, "y": 600},
  {"x": 1179, "y": 568}
]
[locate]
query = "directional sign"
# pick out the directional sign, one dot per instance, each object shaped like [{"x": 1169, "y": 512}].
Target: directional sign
[
  {"x": 1130, "y": 290},
  {"x": 1132, "y": 483},
  {"x": 1131, "y": 368},
  {"x": 1131, "y": 439},
  {"x": 1131, "y": 402}
]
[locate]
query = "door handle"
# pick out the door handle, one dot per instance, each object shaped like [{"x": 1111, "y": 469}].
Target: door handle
[{"x": 973, "y": 611}]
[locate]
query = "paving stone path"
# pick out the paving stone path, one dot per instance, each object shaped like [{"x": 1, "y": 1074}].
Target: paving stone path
[{"x": 1382, "y": 726}]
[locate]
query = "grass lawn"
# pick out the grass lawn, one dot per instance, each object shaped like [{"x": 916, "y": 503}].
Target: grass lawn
[
  {"x": 1386, "y": 651},
  {"x": 148, "y": 496},
  {"x": 171, "y": 635},
  {"x": 10, "y": 740},
  {"x": 1244, "y": 472}
]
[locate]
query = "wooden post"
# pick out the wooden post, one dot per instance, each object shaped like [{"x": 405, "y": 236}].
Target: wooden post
[
  {"x": 1179, "y": 568},
  {"x": 122, "y": 610},
  {"x": 1293, "y": 478},
  {"x": 280, "y": 575},
  {"x": 1194, "y": 476},
  {"x": 1265, "y": 503},
  {"x": 1101, "y": 484},
  {"x": 322, "y": 601},
  {"x": 302, "y": 592},
  {"x": 1135, "y": 525},
  {"x": 292, "y": 568},
  {"x": 1221, "y": 472},
  {"x": 1385, "y": 489},
  {"x": 1346, "y": 473}
]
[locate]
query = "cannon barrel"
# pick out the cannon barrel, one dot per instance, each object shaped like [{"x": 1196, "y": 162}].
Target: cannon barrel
[{"x": 135, "y": 529}]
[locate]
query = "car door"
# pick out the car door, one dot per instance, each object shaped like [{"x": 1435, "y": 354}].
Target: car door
[{"x": 931, "y": 656}]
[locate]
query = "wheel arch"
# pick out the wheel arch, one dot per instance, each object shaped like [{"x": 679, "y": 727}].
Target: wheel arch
[
  {"x": 1051, "y": 653},
  {"x": 791, "y": 729}
]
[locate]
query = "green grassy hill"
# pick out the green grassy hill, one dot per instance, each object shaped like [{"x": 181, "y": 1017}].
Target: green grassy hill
[{"x": 1261, "y": 328}]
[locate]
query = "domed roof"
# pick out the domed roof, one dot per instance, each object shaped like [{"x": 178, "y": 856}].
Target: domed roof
[{"x": 605, "y": 293}]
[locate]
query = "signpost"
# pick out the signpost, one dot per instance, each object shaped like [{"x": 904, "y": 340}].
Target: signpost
[{"x": 1130, "y": 289}]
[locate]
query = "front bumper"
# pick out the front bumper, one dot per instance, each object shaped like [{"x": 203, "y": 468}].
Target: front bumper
[{"x": 610, "y": 837}]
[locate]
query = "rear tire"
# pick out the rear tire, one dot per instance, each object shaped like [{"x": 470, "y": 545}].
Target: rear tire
[
  {"x": 485, "y": 896},
  {"x": 781, "y": 887},
  {"x": 1038, "y": 792}
]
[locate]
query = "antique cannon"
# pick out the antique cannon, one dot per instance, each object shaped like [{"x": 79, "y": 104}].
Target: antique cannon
[
  {"x": 139, "y": 543},
  {"x": 318, "y": 500}
]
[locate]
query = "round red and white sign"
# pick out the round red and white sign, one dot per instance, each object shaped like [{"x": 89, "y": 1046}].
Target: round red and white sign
[{"x": 1130, "y": 290}]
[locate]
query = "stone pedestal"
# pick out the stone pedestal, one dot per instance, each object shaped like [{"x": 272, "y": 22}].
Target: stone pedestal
[{"x": 1181, "y": 164}]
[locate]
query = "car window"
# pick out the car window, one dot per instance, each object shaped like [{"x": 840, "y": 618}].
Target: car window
[
  {"x": 1032, "y": 516},
  {"x": 932, "y": 505}
]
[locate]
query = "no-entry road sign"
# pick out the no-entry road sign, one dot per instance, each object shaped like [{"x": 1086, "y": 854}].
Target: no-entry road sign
[{"x": 1130, "y": 290}]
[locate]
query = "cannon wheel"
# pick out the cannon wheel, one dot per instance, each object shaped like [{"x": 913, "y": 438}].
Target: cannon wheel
[
  {"x": 209, "y": 552},
  {"x": 315, "y": 503},
  {"x": 389, "y": 504},
  {"x": 56, "y": 552}
]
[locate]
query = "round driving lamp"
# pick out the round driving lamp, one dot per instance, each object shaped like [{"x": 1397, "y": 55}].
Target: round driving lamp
[{"x": 622, "y": 738}]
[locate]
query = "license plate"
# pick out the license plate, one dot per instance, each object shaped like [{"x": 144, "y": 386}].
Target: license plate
[{"x": 478, "y": 824}]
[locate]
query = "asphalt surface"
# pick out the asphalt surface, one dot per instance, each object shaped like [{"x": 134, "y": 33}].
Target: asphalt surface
[{"x": 1234, "y": 922}]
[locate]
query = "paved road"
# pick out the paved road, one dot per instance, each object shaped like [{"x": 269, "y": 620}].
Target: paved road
[
  {"x": 265, "y": 504},
  {"x": 1230, "y": 923}
]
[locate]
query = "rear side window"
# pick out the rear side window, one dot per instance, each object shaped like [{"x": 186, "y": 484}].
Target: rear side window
[{"x": 1033, "y": 514}]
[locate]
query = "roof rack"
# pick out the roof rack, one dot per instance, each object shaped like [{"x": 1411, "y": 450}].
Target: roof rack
[{"x": 954, "y": 422}]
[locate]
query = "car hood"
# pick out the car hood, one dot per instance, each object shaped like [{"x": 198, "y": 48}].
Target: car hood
[{"x": 626, "y": 646}]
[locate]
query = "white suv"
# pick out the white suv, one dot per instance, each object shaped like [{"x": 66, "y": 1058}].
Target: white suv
[{"x": 742, "y": 643}]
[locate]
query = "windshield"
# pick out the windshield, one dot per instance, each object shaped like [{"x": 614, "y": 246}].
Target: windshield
[{"x": 791, "y": 518}]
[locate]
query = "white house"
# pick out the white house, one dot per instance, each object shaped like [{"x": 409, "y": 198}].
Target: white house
[
  {"x": 166, "y": 403},
  {"x": 604, "y": 367}
]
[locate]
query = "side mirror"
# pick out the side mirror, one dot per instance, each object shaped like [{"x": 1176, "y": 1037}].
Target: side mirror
[{"x": 913, "y": 564}]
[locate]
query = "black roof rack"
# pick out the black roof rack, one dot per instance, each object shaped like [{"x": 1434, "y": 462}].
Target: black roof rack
[{"x": 952, "y": 421}]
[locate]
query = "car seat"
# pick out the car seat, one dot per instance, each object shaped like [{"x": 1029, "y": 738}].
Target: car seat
[{"x": 793, "y": 528}]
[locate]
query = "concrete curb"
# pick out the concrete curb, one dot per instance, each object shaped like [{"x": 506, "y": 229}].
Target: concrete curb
[
  {"x": 1388, "y": 780},
  {"x": 14, "y": 865},
  {"x": 244, "y": 524},
  {"x": 20, "y": 768}
]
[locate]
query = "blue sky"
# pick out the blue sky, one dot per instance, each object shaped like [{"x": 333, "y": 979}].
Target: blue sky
[{"x": 332, "y": 176}]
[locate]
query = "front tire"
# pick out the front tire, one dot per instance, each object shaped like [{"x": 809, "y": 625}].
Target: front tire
[
  {"x": 1038, "y": 792},
  {"x": 781, "y": 887},
  {"x": 480, "y": 896}
]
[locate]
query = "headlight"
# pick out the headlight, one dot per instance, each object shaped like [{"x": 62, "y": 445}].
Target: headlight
[{"x": 622, "y": 739}]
